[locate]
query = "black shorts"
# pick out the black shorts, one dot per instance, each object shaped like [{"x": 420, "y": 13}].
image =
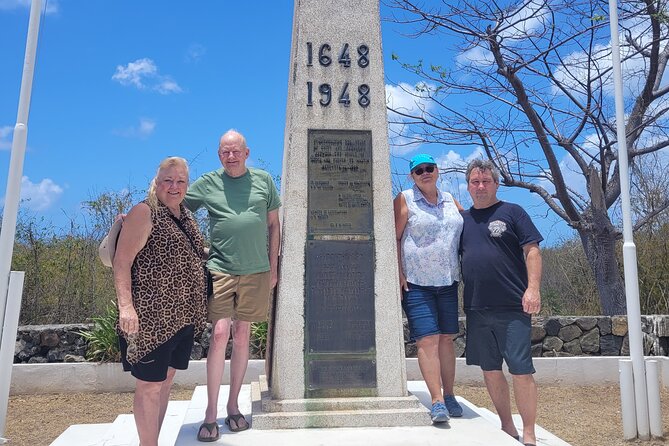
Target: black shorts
[
  {"x": 175, "y": 353},
  {"x": 496, "y": 335}
]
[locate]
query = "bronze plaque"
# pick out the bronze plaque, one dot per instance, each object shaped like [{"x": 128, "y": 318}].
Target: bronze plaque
[
  {"x": 340, "y": 182},
  {"x": 341, "y": 374},
  {"x": 340, "y": 296}
]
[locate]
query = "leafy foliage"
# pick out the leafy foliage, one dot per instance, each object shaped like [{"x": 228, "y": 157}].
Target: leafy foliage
[
  {"x": 259, "y": 337},
  {"x": 102, "y": 338},
  {"x": 65, "y": 280}
]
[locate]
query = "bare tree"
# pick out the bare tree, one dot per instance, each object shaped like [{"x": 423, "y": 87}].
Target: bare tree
[{"x": 530, "y": 85}]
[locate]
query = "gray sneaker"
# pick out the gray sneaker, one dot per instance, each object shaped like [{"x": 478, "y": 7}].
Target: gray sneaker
[{"x": 454, "y": 408}]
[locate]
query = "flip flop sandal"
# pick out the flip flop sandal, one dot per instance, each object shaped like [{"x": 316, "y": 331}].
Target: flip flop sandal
[
  {"x": 236, "y": 418},
  {"x": 211, "y": 427}
]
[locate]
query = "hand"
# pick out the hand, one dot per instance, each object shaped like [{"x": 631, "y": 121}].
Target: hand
[
  {"x": 404, "y": 286},
  {"x": 531, "y": 301},
  {"x": 273, "y": 278},
  {"x": 128, "y": 320}
]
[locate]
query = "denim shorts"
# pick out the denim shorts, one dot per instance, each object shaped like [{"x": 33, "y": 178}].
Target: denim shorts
[
  {"x": 431, "y": 310},
  {"x": 496, "y": 335},
  {"x": 175, "y": 353}
]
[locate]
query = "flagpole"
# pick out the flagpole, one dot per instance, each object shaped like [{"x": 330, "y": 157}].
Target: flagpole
[
  {"x": 12, "y": 193},
  {"x": 629, "y": 248}
]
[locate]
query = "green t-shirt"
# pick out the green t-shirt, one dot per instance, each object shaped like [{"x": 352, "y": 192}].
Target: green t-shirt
[{"x": 238, "y": 210}]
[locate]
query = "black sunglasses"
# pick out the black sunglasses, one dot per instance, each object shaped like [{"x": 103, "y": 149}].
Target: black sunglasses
[{"x": 428, "y": 169}]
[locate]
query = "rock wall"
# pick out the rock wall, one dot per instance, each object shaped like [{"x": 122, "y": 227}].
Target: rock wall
[
  {"x": 581, "y": 336},
  {"x": 551, "y": 336}
]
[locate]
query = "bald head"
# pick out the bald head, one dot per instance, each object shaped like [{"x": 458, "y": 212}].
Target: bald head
[{"x": 233, "y": 152}]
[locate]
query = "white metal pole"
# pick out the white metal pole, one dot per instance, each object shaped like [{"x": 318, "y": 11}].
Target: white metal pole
[
  {"x": 629, "y": 248},
  {"x": 627, "y": 399},
  {"x": 7, "y": 346},
  {"x": 20, "y": 137},
  {"x": 654, "y": 403}
]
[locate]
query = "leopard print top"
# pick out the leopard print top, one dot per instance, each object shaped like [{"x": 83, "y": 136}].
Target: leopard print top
[{"x": 168, "y": 282}]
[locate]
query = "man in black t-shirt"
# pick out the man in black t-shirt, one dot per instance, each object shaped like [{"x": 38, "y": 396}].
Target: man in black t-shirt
[{"x": 501, "y": 269}]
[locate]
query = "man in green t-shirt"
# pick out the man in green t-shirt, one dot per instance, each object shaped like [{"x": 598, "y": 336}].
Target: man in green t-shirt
[{"x": 243, "y": 206}]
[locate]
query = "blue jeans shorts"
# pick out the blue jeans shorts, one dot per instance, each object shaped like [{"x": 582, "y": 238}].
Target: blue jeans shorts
[
  {"x": 496, "y": 335},
  {"x": 175, "y": 353},
  {"x": 431, "y": 310}
]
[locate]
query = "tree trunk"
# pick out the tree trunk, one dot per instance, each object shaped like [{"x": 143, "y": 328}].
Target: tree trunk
[{"x": 599, "y": 244}]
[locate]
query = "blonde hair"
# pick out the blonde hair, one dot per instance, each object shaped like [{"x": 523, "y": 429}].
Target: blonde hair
[{"x": 172, "y": 161}]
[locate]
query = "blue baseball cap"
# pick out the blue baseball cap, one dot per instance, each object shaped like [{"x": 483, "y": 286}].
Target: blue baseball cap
[{"x": 421, "y": 158}]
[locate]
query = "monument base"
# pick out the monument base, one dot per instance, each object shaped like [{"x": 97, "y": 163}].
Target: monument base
[{"x": 334, "y": 412}]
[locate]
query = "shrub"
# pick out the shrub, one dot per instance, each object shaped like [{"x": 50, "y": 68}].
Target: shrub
[{"x": 102, "y": 338}]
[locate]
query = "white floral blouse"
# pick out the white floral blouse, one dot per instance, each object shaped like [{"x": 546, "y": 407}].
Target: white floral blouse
[{"x": 431, "y": 239}]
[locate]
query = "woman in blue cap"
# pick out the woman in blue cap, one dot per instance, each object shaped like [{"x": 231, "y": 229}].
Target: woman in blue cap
[{"x": 428, "y": 227}]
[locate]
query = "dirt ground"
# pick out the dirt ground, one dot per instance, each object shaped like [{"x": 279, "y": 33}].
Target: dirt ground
[{"x": 582, "y": 416}]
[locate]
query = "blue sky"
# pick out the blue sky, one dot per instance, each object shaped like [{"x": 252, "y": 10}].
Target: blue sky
[{"x": 120, "y": 85}]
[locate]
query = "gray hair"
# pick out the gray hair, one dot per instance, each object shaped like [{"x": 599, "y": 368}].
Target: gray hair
[
  {"x": 172, "y": 161},
  {"x": 240, "y": 138},
  {"x": 483, "y": 165}
]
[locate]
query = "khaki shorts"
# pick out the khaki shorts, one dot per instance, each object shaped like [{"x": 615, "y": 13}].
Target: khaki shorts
[{"x": 244, "y": 298}]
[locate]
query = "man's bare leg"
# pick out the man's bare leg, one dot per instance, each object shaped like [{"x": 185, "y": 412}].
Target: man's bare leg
[
  {"x": 525, "y": 391},
  {"x": 241, "y": 334},
  {"x": 498, "y": 389},
  {"x": 215, "y": 367}
]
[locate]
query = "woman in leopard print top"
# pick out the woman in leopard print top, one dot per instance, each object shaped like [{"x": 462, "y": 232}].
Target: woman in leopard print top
[{"x": 160, "y": 286}]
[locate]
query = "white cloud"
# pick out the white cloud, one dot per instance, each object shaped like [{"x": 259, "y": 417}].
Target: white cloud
[
  {"x": 572, "y": 176},
  {"x": 143, "y": 130},
  {"x": 528, "y": 19},
  {"x": 195, "y": 52},
  {"x": 5, "y": 137},
  {"x": 167, "y": 86},
  {"x": 412, "y": 100},
  {"x": 144, "y": 75},
  {"x": 475, "y": 56},
  {"x": 52, "y": 6},
  {"x": 40, "y": 196},
  {"x": 573, "y": 73}
]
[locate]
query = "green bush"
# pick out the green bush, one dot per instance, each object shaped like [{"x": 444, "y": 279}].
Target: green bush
[
  {"x": 102, "y": 338},
  {"x": 259, "y": 338}
]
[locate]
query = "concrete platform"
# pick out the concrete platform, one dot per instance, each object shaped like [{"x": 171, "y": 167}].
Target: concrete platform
[
  {"x": 269, "y": 414},
  {"x": 477, "y": 427}
]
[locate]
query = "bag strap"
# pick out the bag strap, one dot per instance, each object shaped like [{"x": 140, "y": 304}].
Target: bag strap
[{"x": 190, "y": 239}]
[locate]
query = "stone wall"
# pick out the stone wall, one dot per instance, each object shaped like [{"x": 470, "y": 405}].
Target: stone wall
[
  {"x": 582, "y": 336},
  {"x": 551, "y": 336}
]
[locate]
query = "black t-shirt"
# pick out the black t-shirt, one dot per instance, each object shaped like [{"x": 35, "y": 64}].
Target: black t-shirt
[{"x": 493, "y": 264}]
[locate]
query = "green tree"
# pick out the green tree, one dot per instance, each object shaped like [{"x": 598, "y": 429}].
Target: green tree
[{"x": 528, "y": 83}]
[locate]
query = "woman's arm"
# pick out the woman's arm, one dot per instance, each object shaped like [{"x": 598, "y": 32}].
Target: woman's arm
[
  {"x": 401, "y": 219},
  {"x": 136, "y": 230}
]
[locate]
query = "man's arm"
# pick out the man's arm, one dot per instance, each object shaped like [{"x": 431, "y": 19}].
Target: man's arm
[
  {"x": 274, "y": 231},
  {"x": 532, "y": 296}
]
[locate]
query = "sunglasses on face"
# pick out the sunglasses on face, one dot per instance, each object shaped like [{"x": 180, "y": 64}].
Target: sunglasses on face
[{"x": 420, "y": 170}]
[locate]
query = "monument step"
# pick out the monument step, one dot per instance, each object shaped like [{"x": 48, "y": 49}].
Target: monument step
[
  {"x": 260, "y": 391},
  {"x": 122, "y": 432},
  {"x": 544, "y": 438},
  {"x": 477, "y": 427},
  {"x": 325, "y": 404},
  {"x": 82, "y": 435},
  {"x": 195, "y": 413},
  {"x": 342, "y": 418}
]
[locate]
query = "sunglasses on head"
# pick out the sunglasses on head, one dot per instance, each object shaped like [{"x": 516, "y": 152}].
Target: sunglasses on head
[{"x": 428, "y": 169}]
